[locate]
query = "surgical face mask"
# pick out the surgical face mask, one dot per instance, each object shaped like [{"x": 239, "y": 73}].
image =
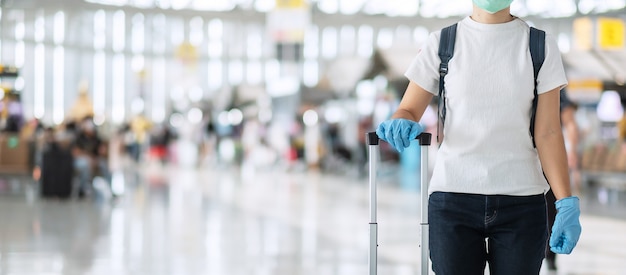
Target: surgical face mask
[{"x": 492, "y": 6}]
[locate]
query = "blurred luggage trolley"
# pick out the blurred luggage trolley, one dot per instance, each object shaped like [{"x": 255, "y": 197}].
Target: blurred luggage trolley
[{"x": 374, "y": 151}]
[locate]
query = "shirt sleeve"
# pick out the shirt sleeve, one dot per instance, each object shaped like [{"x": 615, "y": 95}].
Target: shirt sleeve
[
  {"x": 552, "y": 74},
  {"x": 424, "y": 69}
]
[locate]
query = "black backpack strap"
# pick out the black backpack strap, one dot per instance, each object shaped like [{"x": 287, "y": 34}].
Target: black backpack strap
[
  {"x": 446, "y": 51},
  {"x": 537, "y": 43}
]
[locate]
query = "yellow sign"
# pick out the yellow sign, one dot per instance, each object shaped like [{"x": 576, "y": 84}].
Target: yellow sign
[
  {"x": 585, "y": 85},
  {"x": 290, "y": 4},
  {"x": 610, "y": 33}
]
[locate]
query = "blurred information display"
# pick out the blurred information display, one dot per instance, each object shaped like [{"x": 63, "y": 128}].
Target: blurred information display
[
  {"x": 288, "y": 21},
  {"x": 601, "y": 33},
  {"x": 610, "y": 33},
  {"x": 585, "y": 90}
]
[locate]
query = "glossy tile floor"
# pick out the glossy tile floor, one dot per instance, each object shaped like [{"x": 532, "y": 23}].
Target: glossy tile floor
[{"x": 230, "y": 221}]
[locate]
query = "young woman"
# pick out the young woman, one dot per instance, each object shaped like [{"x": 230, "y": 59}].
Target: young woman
[{"x": 486, "y": 202}]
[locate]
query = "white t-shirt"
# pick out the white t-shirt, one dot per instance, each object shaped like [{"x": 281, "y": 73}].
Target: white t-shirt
[{"x": 487, "y": 147}]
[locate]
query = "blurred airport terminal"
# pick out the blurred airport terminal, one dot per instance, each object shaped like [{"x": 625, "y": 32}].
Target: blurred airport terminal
[{"x": 227, "y": 137}]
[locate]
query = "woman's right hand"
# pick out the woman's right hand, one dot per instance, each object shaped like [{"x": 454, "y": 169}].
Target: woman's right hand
[{"x": 399, "y": 132}]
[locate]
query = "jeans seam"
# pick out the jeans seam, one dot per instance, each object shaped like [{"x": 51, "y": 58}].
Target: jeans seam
[{"x": 490, "y": 219}]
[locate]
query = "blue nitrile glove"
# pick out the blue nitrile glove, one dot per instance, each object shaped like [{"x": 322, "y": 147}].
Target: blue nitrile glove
[
  {"x": 566, "y": 228},
  {"x": 399, "y": 132}
]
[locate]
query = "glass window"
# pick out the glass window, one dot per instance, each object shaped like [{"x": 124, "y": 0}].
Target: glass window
[
  {"x": 254, "y": 42},
  {"x": 385, "y": 38},
  {"x": 366, "y": 41},
  {"x": 119, "y": 31},
  {"x": 196, "y": 31},
  {"x": 254, "y": 73},
  {"x": 118, "y": 107},
  {"x": 40, "y": 81},
  {"x": 20, "y": 49},
  {"x": 235, "y": 72},
  {"x": 420, "y": 35},
  {"x": 348, "y": 41},
  {"x": 138, "y": 33},
  {"x": 311, "y": 43},
  {"x": 176, "y": 32},
  {"x": 159, "y": 23},
  {"x": 403, "y": 36},
  {"x": 58, "y": 106},
  {"x": 272, "y": 70},
  {"x": 329, "y": 42},
  {"x": 40, "y": 30},
  {"x": 59, "y": 28},
  {"x": 99, "y": 84},
  {"x": 158, "y": 94},
  {"x": 20, "y": 30},
  {"x": 215, "y": 49},
  {"x": 215, "y": 74},
  {"x": 215, "y": 31}
]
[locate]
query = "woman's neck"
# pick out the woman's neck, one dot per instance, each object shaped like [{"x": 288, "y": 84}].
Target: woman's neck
[{"x": 481, "y": 16}]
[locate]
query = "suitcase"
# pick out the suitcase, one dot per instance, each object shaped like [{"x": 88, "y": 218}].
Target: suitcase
[
  {"x": 57, "y": 172},
  {"x": 374, "y": 151}
]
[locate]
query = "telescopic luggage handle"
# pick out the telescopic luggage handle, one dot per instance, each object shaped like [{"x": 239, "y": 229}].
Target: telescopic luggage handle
[
  {"x": 373, "y": 141},
  {"x": 424, "y": 138}
]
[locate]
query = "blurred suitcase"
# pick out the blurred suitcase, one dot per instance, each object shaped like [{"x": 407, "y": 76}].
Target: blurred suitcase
[
  {"x": 374, "y": 151},
  {"x": 57, "y": 172}
]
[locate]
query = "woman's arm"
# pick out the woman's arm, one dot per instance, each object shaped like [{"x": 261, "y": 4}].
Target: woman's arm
[
  {"x": 550, "y": 144},
  {"x": 414, "y": 103}
]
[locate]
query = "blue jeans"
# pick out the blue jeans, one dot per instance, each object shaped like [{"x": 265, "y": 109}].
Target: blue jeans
[{"x": 468, "y": 231}]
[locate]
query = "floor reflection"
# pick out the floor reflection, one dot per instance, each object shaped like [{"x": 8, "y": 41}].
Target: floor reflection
[{"x": 222, "y": 221}]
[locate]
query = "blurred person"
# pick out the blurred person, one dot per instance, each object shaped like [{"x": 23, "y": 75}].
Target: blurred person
[
  {"x": 136, "y": 136},
  {"x": 570, "y": 127},
  {"x": 208, "y": 150},
  {"x": 86, "y": 150},
  {"x": 160, "y": 139},
  {"x": 487, "y": 200},
  {"x": 11, "y": 113},
  {"x": 103, "y": 166}
]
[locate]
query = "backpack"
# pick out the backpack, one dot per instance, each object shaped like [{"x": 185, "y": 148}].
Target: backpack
[{"x": 446, "y": 50}]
